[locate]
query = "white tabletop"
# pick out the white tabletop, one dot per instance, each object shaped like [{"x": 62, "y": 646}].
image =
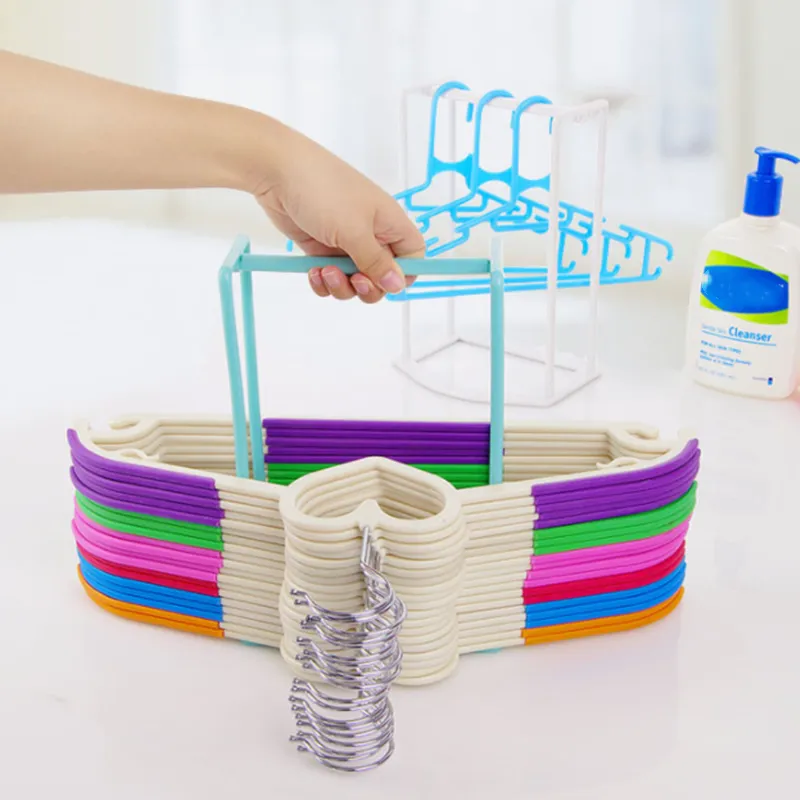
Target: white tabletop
[{"x": 98, "y": 320}]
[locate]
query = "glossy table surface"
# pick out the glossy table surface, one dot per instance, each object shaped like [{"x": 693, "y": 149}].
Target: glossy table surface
[{"x": 100, "y": 320}]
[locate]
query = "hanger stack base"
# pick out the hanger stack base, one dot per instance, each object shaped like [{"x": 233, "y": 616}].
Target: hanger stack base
[{"x": 586, "y": 535}]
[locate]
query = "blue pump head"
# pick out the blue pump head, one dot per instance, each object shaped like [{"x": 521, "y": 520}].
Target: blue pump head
[{"x": 762, "y": 196}]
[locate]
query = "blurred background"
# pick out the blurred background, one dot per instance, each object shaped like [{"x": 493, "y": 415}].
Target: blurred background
[{"x": 693, "y": 85}]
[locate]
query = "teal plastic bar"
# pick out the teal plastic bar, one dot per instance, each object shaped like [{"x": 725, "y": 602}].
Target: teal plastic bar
[
  {"x": 497, "y": 366},
  {"x": 247, "y": 405},
  {"x": 251, "y": 368},
  {"x": 411, "y": 266},
  {"x": 238, "y": 410}
]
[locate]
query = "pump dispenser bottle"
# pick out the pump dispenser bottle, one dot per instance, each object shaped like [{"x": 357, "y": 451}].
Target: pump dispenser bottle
[{"x": 743, "y": 332}]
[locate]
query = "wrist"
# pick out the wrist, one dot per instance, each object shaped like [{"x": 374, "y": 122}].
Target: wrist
[{"x": 248, "y": 150}]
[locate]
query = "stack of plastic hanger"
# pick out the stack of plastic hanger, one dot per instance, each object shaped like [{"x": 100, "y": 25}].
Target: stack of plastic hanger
[
  {"x": 457, "y": 452},
  {"x": 586, "y": 535},
  {"x": 184, "y": 547},
  {"x": 522, "y": 206}
]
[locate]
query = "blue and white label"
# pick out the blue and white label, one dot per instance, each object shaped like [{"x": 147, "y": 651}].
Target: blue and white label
[
  {"x": 744, "y": 316},
  {"x": 732, "y": 351}
]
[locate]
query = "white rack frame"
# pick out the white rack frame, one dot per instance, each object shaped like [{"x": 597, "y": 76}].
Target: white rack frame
[{"x": 581, "y": 370}]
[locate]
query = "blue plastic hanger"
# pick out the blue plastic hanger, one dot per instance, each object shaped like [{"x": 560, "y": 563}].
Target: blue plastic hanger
[
  {"x": 477, "y": 176},
  {"x": 435, "y": 166},
  {"x": 646, "y": 274},
  {"x": 519, "y": 184}
]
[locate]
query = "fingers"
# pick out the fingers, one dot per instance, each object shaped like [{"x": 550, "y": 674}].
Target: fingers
[
  {"x": 331, "y": 282},
  {"x": 337, "y": 283},
  {"x": 373, "y": 259},
  {"x": 367, "y": 291},
  {"x": 373, "y": 249},
  {"x": 317, "y": 284},
  {"x": 327, "y": 281}
]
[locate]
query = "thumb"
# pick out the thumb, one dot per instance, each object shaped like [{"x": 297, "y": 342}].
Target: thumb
[{"x": 374, "y": 259}]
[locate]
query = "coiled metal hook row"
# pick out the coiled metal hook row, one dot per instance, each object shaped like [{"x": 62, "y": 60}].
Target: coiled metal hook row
[{"x": 350, "y": 727}]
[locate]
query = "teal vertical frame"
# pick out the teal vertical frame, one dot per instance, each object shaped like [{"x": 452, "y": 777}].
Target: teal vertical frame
[
  {"x": 246, "y": 399},
  {"x": 251, "y": 367},
  {"x": 497, "y": 363},
  {"x": 240, "y": 247}
]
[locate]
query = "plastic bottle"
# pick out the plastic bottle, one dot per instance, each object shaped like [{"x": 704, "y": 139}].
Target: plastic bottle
[{"x": 743, "y": 333}]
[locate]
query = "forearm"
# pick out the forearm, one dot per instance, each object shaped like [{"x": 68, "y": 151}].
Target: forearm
[{"x": 63, "y": 130}]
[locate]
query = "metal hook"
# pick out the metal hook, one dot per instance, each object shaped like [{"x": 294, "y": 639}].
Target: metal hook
[{"x": 359, "y": 657}]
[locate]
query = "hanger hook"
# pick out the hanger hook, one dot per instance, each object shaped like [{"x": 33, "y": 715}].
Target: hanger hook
[
  {"x": 441, "y": 91},
  {"x": 482, "y": 103}
]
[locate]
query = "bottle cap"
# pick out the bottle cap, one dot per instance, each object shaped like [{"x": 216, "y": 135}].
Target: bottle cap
[{"x": 762, "y": 196}]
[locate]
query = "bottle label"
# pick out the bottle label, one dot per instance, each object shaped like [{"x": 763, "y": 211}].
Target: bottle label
[{"x": 744, "y": 322}]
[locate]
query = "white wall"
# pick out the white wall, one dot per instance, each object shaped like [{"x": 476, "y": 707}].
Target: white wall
[{"x": 773, "y": 99}]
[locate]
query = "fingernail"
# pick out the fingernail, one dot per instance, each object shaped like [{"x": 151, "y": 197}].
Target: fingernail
[
  {"x": 316, "y": 278},
  {"x": 392, "y": 282},
  {"x": 332, "y": 279},
  {"x": 361, "y": 285}
]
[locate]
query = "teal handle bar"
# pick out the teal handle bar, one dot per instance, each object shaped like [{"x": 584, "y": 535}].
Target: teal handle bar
[
  {"x": 250, "y": 456},
  {"x": 411, "y": 266}
]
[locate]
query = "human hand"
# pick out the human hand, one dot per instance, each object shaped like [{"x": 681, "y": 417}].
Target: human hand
[
  {"x": 328, "y": 208},
  {"x": 127, "y": 137}
]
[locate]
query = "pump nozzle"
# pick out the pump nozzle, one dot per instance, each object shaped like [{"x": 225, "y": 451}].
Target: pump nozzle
[{"x": 762, "y": 197}]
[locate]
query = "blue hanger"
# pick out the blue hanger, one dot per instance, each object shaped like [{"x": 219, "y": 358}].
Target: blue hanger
[
  {"x": 508, "y": 176},
  {"x": 520, "y": 185},
  {"x": 516, "y": 212},
  {"x": 436, "y": 166},
  {"x": 540, "y": 223},
  {"x": 437, "y": 290},
  {"x": 516, "y": 183},
  {"x": 477, "y": 175},
  {"x": 646, "y": 273},
  {"x": 504, "y": 219}
]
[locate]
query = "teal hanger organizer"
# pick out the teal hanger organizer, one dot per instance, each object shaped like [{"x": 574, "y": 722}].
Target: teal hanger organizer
[{"x": 245, "y": 396}]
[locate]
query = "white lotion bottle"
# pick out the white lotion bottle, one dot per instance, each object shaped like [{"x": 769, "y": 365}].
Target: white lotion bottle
[{"x": 743, "y": 334}]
